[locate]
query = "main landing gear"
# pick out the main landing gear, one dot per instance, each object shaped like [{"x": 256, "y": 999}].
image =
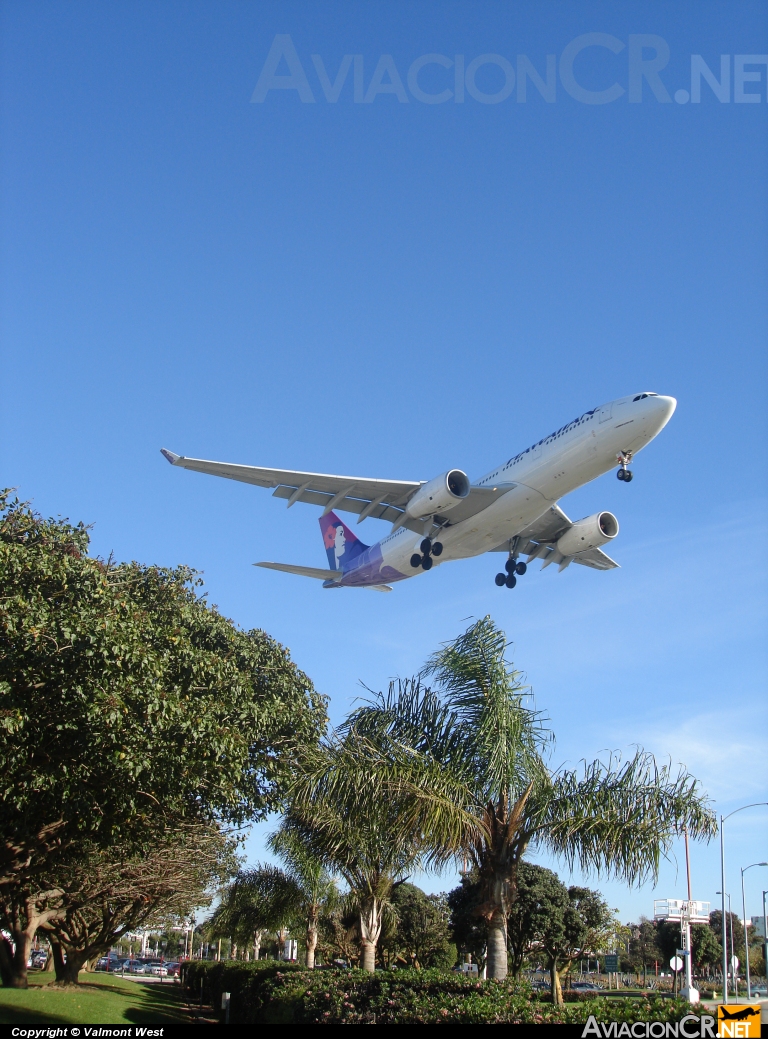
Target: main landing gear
[
  {"x": 624, "y": 458},
  {"x": 429, "y": 548},
  {"x": 514, "y": 570}
]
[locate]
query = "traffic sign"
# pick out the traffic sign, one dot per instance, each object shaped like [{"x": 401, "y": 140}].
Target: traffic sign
[
  {"x": 734, "y": 962},
  {"x": 676, "y": 963},
  {"x": 611, "y": 964}
]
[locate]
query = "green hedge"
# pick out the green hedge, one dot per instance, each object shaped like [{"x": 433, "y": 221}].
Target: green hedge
[{"x": 270, "y": 992}]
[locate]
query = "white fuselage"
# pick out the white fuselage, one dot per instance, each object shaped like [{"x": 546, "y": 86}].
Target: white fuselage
[{"x": 541, "y": 475}]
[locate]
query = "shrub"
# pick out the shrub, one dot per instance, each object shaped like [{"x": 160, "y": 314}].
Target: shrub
[{"x": 270, "y": 992}]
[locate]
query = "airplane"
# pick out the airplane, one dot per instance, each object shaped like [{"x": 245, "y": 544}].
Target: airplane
[{"x": 512, "y": 509}]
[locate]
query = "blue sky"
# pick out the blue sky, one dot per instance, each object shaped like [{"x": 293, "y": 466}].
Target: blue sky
[{"x": 394, "y": 288}]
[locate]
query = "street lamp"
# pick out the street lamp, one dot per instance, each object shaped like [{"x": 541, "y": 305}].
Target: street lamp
[
  {"x": 757, "y": 804},
  {"x": 744, "y": 913}
]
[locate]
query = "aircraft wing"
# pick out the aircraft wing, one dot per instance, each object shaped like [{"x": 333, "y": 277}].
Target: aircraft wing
[
  {"x": 538, "y": 539},
  {"x": 382, "y": 499}
]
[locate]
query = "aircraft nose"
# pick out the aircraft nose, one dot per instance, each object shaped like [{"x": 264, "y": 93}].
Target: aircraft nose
[{"x": 664, "y": 408}]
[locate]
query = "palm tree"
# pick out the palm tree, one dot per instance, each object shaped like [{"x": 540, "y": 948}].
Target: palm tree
[
  {"x": 269, "y": 898},
  {"x": 337, "y": 811},
  {"x": 465, "y": 764},
  {"x": 307, "y": 886},
  {"x": 254, "y": 903}
]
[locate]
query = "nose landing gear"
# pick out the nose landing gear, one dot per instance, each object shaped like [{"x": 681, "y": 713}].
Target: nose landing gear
[{"x": 624, "y": 458}]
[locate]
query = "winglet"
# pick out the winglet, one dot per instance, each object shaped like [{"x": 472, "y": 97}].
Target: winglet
[{"x": 172, "y": 458}]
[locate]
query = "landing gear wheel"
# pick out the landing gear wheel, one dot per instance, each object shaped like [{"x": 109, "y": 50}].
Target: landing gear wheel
[
  {"x": 501, "y": 580},
  {"x": 437, "y": 549},
  {"x": 426, "y": 546},
  {"x": 511, "y": 581},
  {"x": 426, "y": 562},
  {"x": 628, "y": 475},
  {"x": 624, "y": 474},
  {"x": 521, "y": 568},
  {"x": 415, "y": 560},
  {"x": 510, "y": 565}
]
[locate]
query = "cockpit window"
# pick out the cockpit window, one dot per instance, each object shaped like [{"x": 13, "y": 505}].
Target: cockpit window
[{"x": 642, "y": 396}]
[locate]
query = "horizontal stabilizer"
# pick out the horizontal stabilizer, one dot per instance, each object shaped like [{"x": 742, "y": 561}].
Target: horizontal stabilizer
[{"x": 305, "y": 571}]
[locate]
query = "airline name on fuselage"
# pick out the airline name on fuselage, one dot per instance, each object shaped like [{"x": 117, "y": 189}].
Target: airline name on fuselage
[{"x": 541, "y": 443}]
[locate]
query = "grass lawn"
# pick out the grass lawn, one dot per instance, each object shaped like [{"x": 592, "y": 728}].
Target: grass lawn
[{"x": 102, "y": 999}]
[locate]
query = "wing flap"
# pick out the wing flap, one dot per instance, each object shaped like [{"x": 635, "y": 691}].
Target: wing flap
[
  {"x": 383, "y": 510},
  {"x": 597, "y": 559}
]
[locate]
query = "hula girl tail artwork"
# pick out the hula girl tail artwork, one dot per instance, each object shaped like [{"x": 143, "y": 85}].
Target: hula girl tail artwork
[{"x": 341, "y": 545}]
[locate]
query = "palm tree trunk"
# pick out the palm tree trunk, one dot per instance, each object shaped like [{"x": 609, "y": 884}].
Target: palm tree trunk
[
  {"x": 370, "y": 929},
  {"x": 497, "y": 945},
  {"x": 311, "y": 936}
]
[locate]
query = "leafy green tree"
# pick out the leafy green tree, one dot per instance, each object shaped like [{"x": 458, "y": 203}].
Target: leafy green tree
[
  {"x": 706, "y": 949},
  {"x": 421, "y": 928},
  {"x": 587, "y": 927},
  {"x": 540, "y": 897},
  {"x": 468, "y": 928},
  {"x": 643, "y": 948},
  {"x": 126, "y": 703},
  {"x": 465, "y": 761},
  {"x": 106, "y": 894},
  {"x": 733, "y": 926}
]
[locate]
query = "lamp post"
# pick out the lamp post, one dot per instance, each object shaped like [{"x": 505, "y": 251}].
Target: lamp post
[
  {"x": 765, "y": 937},
  {"x": 746, "y": 933},
  {"x": 757, "y": 804}
]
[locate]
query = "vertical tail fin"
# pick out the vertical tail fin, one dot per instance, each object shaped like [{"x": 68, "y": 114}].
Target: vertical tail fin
[{"x": 341, "y": 545}]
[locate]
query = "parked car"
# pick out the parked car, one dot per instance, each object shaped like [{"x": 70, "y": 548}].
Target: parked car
[
  {"x": 173, "y": 969},
  {"x": 159, "y": 970},
  {"x": 585, "y": 986}
]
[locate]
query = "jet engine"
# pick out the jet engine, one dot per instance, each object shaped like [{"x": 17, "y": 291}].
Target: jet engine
[
  {"x": 439, "y": 494},
  {"x": 591, "y": 532}
]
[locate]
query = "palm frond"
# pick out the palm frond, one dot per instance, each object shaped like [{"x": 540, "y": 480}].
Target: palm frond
[{"x": 618, "y": 818}]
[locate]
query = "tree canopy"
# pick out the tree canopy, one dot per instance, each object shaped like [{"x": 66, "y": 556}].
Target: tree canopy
[
  {"x": 130, "y": 710},
  {"x": 125, "y": 697}
]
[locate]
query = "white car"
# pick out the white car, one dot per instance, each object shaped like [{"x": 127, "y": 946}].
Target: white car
[{"x": 159, "y": 970}]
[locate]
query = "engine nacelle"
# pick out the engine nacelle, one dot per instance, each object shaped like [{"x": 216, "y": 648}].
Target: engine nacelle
[
  {"x": 439, "y": 494},
  {"x": 591, "y": 532}
]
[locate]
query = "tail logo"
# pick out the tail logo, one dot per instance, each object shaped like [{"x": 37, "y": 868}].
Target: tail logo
[{"x": 341, "y": 545}]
